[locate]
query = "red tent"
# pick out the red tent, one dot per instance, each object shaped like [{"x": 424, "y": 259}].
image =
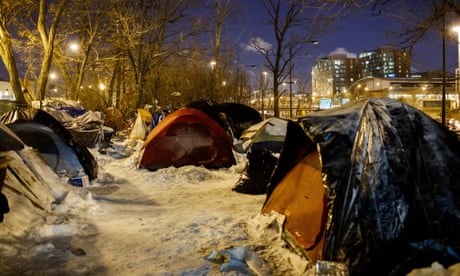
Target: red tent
[{"x": 187, "y": 137}]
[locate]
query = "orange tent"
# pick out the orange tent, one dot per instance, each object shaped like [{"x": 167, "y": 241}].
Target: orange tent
[
  {"x": 378, "y": 195},
  {"x": 300, "y": 197},
  {"x": 187, "y": 137}
]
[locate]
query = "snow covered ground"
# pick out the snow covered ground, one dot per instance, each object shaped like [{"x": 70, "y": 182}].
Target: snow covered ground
[{"x": 174, "y": 221}]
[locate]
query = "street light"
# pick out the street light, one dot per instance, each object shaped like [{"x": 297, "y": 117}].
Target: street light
[
  {"x": 74, "y": 47},
  {"x": 263, "y": 94},
  {"x": 457, "y": 71},
  {"x": 213, "y": 64}
]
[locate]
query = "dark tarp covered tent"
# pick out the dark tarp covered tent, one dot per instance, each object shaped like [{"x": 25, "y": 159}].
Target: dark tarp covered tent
[
  {"x": 391, "y": 183},
  {"x": 187, "y": 137},
  {"x": 9, "y": 140},
  {"x": 86, "y": 126},
  {"x": 56, "y": 153},
  {"x": 240, "y": 116},
  {"x": 263, "y": 159},
  {"x": 36, "y": 127},
  {"x": 232, "y": 117}
]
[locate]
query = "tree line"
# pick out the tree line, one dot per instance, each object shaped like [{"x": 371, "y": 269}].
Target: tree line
[{"x": 128, "y": 53}]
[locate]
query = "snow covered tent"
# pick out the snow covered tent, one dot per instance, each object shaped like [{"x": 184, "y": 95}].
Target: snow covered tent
[
  {"x": 57, "y": 145},
  {"x": 390, "y": 201},
  {"x": 187, "y": 137},
  {"x": 232, "y": 117},
  {"x": 263, "y": 159},
  {"x": 85, "y": 125},
  {"x": 269, "y": 133},
  {"x": 10, "y": 142},
  {"x": 32, "y": 190},
  {"x": 88, "y": 128},
  {"x": 239, "y": 116}
]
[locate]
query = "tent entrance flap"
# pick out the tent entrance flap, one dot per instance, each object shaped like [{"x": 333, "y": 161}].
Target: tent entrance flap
[{"x": 300, "y": 197}]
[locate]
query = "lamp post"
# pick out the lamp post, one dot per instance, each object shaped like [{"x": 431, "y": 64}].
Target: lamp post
[
  {"x": 443, "y": 101},
  {"x": 290, "y": 91},
  {"x": 247, "y": 86},
  {"x": 213, "y": 64},
  {"x": 457, "y": 71},
  {"x": 262, "y": 95}
]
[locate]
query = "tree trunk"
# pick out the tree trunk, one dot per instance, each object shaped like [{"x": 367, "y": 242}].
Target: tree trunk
[
  {"x": 7, "y": 54},
  {"x": 44, "y": 72},
  {"x": 15, "y": 81},
  {"x": 47, "y": 38}
]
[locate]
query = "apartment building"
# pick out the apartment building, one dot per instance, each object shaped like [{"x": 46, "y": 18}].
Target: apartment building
[
  {"x": 385, "y": 62},
  {"x": 333, "y": 75}
]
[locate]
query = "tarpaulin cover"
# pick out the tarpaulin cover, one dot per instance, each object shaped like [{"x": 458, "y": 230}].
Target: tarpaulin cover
[
  {"x": 234, "y": 118},
  {"x": 39, "y": 116},
  {"x": 264, "y": 170},
  {"x": 139, "y": 129},
  {"x": 10, "y": 141},
  {"x": 393, "y": 176},
  {"x": 88, "y": 128},
  {"x": 269, "y": 133}
]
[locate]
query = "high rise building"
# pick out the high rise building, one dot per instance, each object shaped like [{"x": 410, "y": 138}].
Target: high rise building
[
  {"x": 333, "y": 75},
  {"x": 385, "y": 62}
]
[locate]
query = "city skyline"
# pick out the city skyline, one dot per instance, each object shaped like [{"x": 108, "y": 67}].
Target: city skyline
[{"x": 352, "y": 35}]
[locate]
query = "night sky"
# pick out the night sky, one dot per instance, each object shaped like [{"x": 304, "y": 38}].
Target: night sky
[{"x": 353, "y": 35}]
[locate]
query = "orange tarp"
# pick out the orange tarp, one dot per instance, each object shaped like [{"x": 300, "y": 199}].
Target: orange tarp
[{"x": 300, "y": 197}]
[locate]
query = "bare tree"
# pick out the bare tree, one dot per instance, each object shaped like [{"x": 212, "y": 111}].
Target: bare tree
[
  {"x": 222, "y": 12},
  {"x": 297, "y": 24},
  {"x": 430, "y": 16},
  {"x": 417, "y": 23},
  {"x": 149, "y": 32},
  {"x": 80, "y": 28},
  {"x": 37, "y": 25},
  {"x": 292, "y": 23},
  {"x": 7, "y": 11},
  {"x": 47, "y": 11}
]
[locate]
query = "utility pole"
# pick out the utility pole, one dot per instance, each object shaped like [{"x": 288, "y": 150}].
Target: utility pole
[{"x": 443, "y": 103}]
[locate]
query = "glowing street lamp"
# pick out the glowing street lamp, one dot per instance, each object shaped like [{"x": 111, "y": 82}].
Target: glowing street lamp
[
  {"x": 74, "y": 47},
  {"x": 101, "y": 86},
  {"x": 213, "y": 64},
  {"x": 214, "y": 73}
]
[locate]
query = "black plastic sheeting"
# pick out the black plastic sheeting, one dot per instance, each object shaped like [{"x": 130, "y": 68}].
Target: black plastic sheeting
[
  {"x": 253, "y": 180},
  {"x": 87, "y": 160},
  {"x": 10, "y": 141},
  {"x": 296, "y": 146},
  {"x": 233, "y": 117},
  {"x": 264, "y": 171},
  {"x": 394, "y": 179}
]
